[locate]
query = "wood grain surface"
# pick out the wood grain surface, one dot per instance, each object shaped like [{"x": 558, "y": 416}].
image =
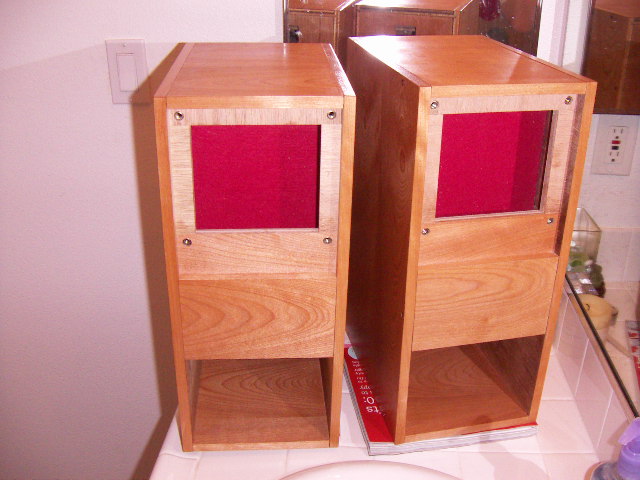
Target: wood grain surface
[
  {"x": 465, "y": 303},
  {"x": 486, "y": 238},
  {"x": 449, "y": 394},
  {"x": 260, "y": 404},
  {"x": 258, "y": 317}
]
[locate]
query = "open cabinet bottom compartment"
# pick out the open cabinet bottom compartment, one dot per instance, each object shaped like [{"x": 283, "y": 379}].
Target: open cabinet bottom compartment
[
  {"x": 470, "y": 388},
  {"x": 258, "y": 404}
]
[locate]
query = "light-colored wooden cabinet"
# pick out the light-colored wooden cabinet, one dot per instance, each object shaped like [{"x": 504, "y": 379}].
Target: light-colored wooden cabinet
[
  {"x": 320, "y": 21},
  {"x": 468, "y": 161},
  {"x": 417, "y": 17},
  {"x": 255, "y": 151}
]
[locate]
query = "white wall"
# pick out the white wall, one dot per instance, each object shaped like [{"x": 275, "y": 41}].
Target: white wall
[{"x": 86, "y": 382}]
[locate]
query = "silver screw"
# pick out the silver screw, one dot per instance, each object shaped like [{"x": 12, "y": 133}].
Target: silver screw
[
  {"x": 549, "y": 220},
  {"x": 568, "y": 100},
  {"x": 331, "y": 115},
  {"x": 178, "y": 116},
  {"x": 434, "y": 105},
  {"x": 327, "y": 240},
  {"x": 425, "y": 231},
  {"x": 187, "y": 242}
]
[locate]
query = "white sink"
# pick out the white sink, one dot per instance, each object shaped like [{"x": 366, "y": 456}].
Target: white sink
[{"x": 368, "y": 470}]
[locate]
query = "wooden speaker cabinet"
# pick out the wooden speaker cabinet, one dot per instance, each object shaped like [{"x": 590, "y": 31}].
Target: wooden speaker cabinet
[
  {"x": 468, "y": 160},
  {"x": 320, "y": 21},
  {"x": 417, "y": 17},
  {"x": 255, "y": 150}
]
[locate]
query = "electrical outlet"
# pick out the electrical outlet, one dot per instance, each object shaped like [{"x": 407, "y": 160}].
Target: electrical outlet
[{"x": 615, "y": 144}]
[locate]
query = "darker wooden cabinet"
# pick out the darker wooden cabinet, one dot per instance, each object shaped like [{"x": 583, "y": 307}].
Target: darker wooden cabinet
[
  {"x": 320, "y": 21},
  {"x": 255, "y": 171},
  {"x": 613, "y": 56},
  {"x": 468, "y": 161},
  {"x": 417, "y": 17}
]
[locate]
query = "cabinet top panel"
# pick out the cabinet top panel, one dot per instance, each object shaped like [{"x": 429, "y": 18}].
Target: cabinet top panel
[
  {"x": 319, "y": 5},
  {"x": 429, "y": 5},
  {"x": 263, "y": 74},
  {"x": 467, "y": 62}
]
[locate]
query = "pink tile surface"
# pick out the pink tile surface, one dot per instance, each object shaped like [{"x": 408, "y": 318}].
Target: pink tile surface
[
  {"x": 169, "y": 465},
  {"x": 570, "y": 466},
  {"x": 242, "y": 465},
  {"x": 503, "y": 466},
  {"x": 561, "y": 428},
  {"x": 614, "y": 424},
  {"x": 593, "y": 395},
  {"x": 572, "y": 347},
  {"x": 556, "y": 386}
]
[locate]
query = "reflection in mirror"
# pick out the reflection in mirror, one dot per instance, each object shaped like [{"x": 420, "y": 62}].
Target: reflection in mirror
[
  {"x": 613, "y": 55},
  {"x": 609, "y": 309},
  {"x": 513, "y": 22}
]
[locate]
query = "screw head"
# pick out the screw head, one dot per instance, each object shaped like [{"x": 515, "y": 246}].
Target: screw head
[
  {"x": 187, "y": 242},
  {"x": 327, "y": 240},
  {"x": 434, "y": 105},
  {"x": 425, "y": 231},
  {"x": 568, "y": 100},
  {"x": 178, "y": 116},
  {"x": 331, "y": 115},
  {"x": 549, "y": 220}
]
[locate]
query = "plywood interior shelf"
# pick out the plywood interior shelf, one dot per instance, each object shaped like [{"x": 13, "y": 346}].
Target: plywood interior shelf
[
  {"x": 277, "y": 403},
  {"x": 255, "y": 167},
  {"x": 469, "y": 156}
]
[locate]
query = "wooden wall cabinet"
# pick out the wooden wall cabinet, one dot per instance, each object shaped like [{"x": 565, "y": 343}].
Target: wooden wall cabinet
[
  {"x": 417, "y": 17},
  {"x": 320, "y": 21},
  {"x": 613, "y": 56},
  {"x": 469, "y": 156},
  {"x": 255, "y": 150}
]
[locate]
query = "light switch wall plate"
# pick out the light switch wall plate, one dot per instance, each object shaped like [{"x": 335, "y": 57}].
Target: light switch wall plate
[{"x": 128, "y": 71}]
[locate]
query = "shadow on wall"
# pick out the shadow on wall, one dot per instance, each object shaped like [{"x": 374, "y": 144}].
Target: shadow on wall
[{"x": 151, "y": 223}]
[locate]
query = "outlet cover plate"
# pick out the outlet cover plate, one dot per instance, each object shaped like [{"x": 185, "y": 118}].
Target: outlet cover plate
[{"x": 601, "y": 163}]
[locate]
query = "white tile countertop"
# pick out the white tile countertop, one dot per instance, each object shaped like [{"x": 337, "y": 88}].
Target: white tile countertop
[{"x": 562, "y": 449}]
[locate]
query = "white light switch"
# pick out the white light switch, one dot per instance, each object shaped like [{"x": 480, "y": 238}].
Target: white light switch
[{"x": 128, "y": 71}]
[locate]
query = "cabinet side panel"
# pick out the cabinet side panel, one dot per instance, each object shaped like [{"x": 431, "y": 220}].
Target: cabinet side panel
[
  {"x": 346, "y": 28},
  {"x": 469, "y": 19},
  {"x": 575, "y": 170},
  {"x": 386, "y": 122},
  {"x": 185, "y": 412}
]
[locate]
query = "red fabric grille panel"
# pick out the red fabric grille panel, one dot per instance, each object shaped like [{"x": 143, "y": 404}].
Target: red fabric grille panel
[
  {"x": 256, "y": 176},
  {"x": 491, "y": 162}
]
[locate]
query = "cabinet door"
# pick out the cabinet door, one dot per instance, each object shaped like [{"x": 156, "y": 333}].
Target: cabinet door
[
  {"x": 495, "y": 180},
  {"x": 255, "y": 205}
]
